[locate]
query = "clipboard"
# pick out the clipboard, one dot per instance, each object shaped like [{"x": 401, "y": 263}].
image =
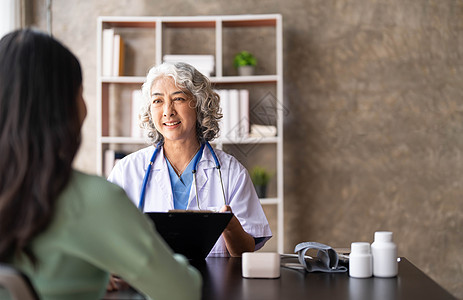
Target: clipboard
[{"x": 191, "y": 233}]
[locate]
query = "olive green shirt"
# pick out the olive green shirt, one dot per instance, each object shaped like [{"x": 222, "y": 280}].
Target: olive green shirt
[{"x": 96, "y": 230}]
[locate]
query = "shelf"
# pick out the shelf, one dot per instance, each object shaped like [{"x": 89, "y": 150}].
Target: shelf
[
  {"x": 269, "y": 201},
  {"x": 249, "y": 23},
  {"x": 222, "y": 79},
  {"x": 245, "y": 79},
  {"x": 122, "y": 140},
  {"x": 123, "y": 79},
  {"x": 190, "y": 23},
  {"x": 249, "y": 140}
]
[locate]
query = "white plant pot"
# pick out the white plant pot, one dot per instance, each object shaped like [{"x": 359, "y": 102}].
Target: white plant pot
[{"x": 246, "y": 70}]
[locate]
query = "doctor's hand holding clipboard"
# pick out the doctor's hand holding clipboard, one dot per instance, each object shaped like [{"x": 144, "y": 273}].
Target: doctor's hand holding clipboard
[
  {"x": 236, "y": 239},
  {"x": 180, "y": 170}
]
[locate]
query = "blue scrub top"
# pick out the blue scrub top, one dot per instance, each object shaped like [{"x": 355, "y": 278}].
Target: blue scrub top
[{"x": 181, "y": 186}]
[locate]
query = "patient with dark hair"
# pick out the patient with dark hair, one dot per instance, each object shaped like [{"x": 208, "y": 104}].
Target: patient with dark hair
[{"x": 54, "y": 220}]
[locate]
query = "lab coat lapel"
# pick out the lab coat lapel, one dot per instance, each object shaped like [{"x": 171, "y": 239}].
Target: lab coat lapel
[
  {"x": 205, "y": 165},
  {"x": 162, "y": 192}
]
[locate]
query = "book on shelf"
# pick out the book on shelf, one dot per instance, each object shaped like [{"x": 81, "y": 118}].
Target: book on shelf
[
  {"x": 137, "y": 102},
  {"x": 118, "y": 56},
  {"x": 107, "y": 52},
  {"x": 113, "y": 53},
  {"x": 203, "y": 63},
  {"x": 235, "y": 110},
  {"x": 224, "y": 123},
  {"x": 244, "y": 114}
]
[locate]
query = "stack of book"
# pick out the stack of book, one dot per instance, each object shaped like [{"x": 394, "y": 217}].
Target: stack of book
[
  {"x": 113, "y": 54},
  {"x": 202, "y": 63},
  {"x": 259, "y": 131}
]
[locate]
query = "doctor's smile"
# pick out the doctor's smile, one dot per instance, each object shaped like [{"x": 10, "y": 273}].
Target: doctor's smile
[{"x": 172, "y": 124}]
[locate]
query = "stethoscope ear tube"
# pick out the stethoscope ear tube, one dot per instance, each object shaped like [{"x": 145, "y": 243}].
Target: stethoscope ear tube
[{"x": 217, "y": 164}]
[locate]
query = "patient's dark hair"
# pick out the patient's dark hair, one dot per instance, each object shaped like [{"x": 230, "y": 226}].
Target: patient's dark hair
[{"x": 39, "y": 134}]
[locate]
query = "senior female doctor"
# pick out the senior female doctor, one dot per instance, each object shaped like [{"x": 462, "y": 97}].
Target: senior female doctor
[{"x": 180, "y": 170}]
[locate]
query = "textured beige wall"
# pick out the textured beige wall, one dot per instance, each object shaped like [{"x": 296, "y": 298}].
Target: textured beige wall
[{"x": 373, "y": 134}]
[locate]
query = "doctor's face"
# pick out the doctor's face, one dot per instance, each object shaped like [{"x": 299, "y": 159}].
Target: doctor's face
[{"x": 173, "y": 110}]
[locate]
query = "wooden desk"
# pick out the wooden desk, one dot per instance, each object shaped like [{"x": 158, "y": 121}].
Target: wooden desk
[{"x": 222, "y": 280}]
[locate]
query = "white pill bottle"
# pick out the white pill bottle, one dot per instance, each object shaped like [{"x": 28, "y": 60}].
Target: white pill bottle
[
  {"x": 384, "y": 253},
  {"x": 360, "y": 260}
]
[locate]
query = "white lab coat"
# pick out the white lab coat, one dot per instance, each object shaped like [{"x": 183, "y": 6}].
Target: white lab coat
[{"x": 239, "y": 190}]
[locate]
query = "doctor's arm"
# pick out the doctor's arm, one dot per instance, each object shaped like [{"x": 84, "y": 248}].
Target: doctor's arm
[{"x": 237, "y": 240}]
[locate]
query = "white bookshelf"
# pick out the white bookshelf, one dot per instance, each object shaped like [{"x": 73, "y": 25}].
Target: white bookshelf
[{"x": 216, "y": 23}]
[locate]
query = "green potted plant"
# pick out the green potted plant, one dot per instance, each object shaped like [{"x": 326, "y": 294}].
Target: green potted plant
[
  {"x": 245, "y": 62},
  {"x": 260, "y": 178}
]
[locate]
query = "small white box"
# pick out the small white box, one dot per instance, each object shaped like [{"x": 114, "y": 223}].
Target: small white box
[{"x": 261, "y": 265}]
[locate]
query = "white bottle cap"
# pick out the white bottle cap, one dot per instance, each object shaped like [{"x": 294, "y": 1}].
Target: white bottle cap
[
  {"x": 360, "y": 247},
  {"x": 383, "y": 236}
]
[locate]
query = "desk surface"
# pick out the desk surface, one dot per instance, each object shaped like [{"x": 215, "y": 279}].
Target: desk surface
[{"x": 222, "y": 280}]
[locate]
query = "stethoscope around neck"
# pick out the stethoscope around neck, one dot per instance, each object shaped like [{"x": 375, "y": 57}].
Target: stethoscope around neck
[{"x": 141, "y": 203}]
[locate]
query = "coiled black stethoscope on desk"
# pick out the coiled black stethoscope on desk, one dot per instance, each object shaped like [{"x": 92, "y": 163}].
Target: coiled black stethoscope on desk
[{"x": 141, "y": 203}]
